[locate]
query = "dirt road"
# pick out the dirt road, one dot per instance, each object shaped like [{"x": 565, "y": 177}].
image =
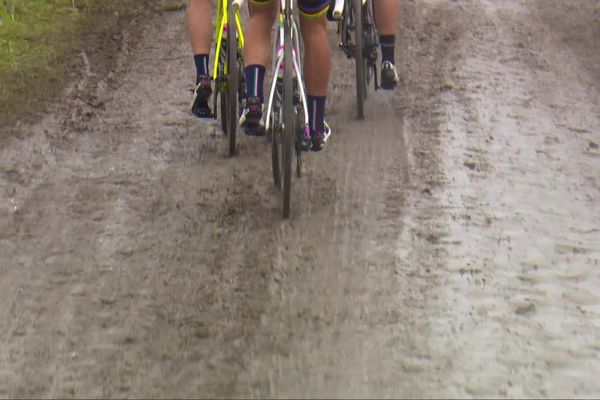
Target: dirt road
[{"x": 447, "y": 246}]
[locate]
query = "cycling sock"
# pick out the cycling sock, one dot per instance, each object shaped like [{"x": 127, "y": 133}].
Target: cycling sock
[
  {"x": 255, "y": 75},
  {"x": 201, "y": 61},
  {"x": 387, "y": 43},
  {"x": 316, "y": 113}
]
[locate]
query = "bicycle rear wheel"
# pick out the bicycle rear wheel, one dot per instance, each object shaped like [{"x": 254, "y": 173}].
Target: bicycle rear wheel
[
  {"x": 359, "y": 58},
  {"x": 232, "y": 80},
  {"x": 275, "y": 132},
  {"x": 275, "y": 151},
  {"x": 289, "y": 117}
]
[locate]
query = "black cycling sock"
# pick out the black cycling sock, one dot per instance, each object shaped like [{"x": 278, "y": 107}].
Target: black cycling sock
[
  {"x": 316, "y": 113},
  {"x": 201, "y": 61},
  {"x": 255, "y": 76},
  {"x": 387, "y": 43}
]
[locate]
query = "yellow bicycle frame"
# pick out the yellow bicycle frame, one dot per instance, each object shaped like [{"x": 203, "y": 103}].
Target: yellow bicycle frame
[{"x": 222, "y": 21}]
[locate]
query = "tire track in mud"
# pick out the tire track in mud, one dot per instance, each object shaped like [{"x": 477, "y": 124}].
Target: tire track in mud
[
  {"x": 351, "y": 316},
  {"x": 133, "y": 313},
  {"x": 521, "y": 221}
]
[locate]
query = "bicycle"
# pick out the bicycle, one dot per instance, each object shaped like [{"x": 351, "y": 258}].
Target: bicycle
[
  {"x": 358, "y": 40},
  {"x": 229, "y": 82},
  {"x": 287, "y": 120}
]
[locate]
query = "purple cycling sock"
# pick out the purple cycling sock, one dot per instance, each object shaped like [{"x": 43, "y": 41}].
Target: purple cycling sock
[
  {"x": 201, "y": 61},
  {"x": 255, "y": 76},
  {"x": 316, "y": 113}
]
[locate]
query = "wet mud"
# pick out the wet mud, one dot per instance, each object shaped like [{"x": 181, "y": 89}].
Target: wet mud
[{"x": 446, "y": 246}]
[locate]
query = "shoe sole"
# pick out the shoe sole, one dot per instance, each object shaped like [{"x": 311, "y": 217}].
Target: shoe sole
[
  {"x": 389, "y": 85},
  {"x": 254, "y": 131},
  {"x": 204, "y": 116},
  {"x": 252, "y": 128}
]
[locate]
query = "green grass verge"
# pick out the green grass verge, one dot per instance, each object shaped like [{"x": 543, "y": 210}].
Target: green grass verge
[
  {"x": 34, "y": 34},
  {"x": 39, "y": 40}
]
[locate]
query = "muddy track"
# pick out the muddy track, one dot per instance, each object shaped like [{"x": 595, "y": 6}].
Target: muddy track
[{"x": 445, "y": 246}]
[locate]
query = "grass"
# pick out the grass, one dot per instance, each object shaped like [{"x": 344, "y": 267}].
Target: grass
[
  {"x": 34, "y": 34},
  {"x": 35, "y": 38},
  {"x": 39, "y": 44}
]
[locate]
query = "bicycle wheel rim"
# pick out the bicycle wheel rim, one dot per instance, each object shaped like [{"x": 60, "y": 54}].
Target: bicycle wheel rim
[
  {"x": 233, "y": 81},
  {"x": 288, "y": 115},
  {"x": 359, "y": 58}
]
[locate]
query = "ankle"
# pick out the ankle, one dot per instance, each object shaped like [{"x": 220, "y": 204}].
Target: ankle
[
  {"x": 316, "y": 113},
  {"x": 255, "y": 75},
  {"x": 201, "y": 61},
  {"x": 387, "y": 43}
]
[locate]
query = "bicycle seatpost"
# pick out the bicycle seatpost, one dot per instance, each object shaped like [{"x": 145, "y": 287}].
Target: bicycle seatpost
[{"x": 237, "y": 4}]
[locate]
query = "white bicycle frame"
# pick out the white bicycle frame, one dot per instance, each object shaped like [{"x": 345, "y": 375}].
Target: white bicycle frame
[{"x": 278, "y": 66}]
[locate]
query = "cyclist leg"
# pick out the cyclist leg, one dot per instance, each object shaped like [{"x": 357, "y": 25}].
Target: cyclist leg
[
  {"x": 257, "y": 52},
  {"x": 199, "y": 17},
  {"x": 386, "y": 18},
  {"x": 317, "y": 66}
]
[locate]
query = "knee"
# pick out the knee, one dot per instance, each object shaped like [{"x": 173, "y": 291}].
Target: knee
[
  {"x": 314, "y": 28},
  {"x": 263, "y": 11}
]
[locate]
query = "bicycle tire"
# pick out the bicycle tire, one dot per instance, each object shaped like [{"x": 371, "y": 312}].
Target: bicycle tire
[
  {"x": 373, "y": 40},
  {"x": 299, "y": 119},
  {"x": 289, "y": 132},
  {"x": 232, "y": 80},
  {"x": 275, "y": 153},
  {"x": 299, "y": 129},
  {"x": 224, "y": 111},
  {"x": 359, "y": 58},
  {"x": 218, "y": 105},
  {"x": 275, "y": 122}
]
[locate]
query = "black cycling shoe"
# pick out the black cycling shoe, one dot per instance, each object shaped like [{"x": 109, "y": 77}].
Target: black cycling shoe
[
  {"x": 389, "y": 76},
  {"x": 202, "y": 92},
  {"x": 318, "y": 139},
  {"x": 251, "y": 119}
]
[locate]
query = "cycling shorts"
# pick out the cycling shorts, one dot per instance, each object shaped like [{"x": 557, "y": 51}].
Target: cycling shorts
[{"x": 307, "y": 8}]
